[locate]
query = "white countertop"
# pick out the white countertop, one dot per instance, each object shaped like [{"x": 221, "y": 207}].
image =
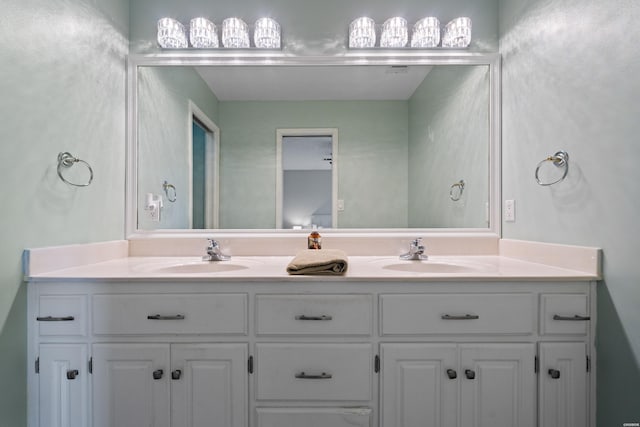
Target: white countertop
[{"x": 273, "y": 269}]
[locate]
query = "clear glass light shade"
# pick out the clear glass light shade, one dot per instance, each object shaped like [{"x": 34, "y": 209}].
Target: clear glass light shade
[
  {"x": 362, "y": 33},
  {"x": 171, "y": 34},
  {"x": 202, "y": 33},
  {"x": 235, "y": 33},
  {"x": 426, "y": 33},
  {"x": 266, "y": 34},
  {"x": 457, "y": 33},
  {"x": 394, "y": 33}
]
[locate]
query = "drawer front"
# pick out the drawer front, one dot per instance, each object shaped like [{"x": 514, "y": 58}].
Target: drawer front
[
  {"x": 170, "y": 314},
  {"x": 326, "y": 372},
  {"x": 313, "y": 314},
  {"x": 62, "y": 315},
  {"x": 564, "y": 314},
  {"x": 421, "y": 314},
  {"x": 325, "y": 417}
]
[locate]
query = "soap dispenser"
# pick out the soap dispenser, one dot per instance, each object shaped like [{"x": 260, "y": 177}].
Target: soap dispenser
[{"x": 314, "y": 239}]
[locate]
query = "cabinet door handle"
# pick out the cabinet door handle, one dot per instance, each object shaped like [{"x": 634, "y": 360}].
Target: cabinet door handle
[
  {"x": 157, "y": 374},
  {"x": 452, "y": 374},
  {"x": 72, "y": 374},
  {"x": 461, "y": 317},
  {"x": 470, "y": 374},
  {"x": 322, "y": 376},
  {"x": 576, "y": 317},
  {"x": 163, "y": 317},
  {"x": 55, "y": 319},
  {"x": 175, "y": 375},
  {"x": 321, "y": 317},
  {"x": 554, "y": 373}
]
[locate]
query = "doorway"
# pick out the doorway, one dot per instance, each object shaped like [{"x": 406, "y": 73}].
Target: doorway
[{"x": 306, "y": 178}]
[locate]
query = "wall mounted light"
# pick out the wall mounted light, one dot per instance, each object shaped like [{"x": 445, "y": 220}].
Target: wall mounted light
[
  {"x": 171, "y": 34},
  {"x": 203, "y": 33},
  {"x": 426, "y": 33}
]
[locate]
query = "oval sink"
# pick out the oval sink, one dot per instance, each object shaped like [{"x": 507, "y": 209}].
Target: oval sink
[
  {"x": 429, "y": 267},
  {"x": 201, "y": 268}
]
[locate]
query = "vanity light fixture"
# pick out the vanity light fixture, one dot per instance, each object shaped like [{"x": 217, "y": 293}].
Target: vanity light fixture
[
  {"x": 171, "y": 34},
  {"x": 426, "y": 32},
  {"x": 203, "y": 33},
  {"x": 362, "y": 33},
  {"x": 457, "y": 33},
  {"x": 266, "y": 34},
  {"x": 235, "y": 33},
  {"x": 394, "y": 32}
]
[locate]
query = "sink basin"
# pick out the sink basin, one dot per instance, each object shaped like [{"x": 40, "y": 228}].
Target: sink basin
[
  {"x": 201, "y": 267},
  {"x": 429, "y": 267}
]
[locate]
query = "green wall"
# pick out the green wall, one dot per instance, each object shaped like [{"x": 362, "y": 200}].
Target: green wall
[
  {"x": 62, "y": 82},
  {"x": 570, "y": 81},
  {"x": 372, "y": 153}
]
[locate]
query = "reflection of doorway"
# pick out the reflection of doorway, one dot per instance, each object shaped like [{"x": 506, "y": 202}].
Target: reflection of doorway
[
  {"x": 204, "y": 148},
  {"x": 306, "y": 178}
]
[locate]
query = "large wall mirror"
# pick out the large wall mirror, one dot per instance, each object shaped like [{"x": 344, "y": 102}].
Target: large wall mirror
[{"x": 279, "y": 143}]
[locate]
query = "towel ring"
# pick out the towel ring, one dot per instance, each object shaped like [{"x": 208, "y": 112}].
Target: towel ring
[
  {"x": 560, "y": 160},
  {"x": 170, "y": 188},
  {"x": 66, "y": 160},
  {"x": 456, "y": 190}
]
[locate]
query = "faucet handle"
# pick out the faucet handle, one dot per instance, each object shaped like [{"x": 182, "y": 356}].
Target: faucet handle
[
  {"x": 417, "y": 241},
  {"x": 212, "y": 243}
]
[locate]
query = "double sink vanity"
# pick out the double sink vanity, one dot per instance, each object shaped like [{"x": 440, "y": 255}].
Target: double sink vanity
[{"x": 146, "y": 333}]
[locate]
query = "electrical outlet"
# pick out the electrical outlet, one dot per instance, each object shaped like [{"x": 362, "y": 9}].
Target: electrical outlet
[{"x": 510, "y": 210}]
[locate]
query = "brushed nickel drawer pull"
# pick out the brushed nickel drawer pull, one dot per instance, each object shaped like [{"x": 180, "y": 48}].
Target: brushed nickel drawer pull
[
  {"x": 72, "y": 374},
  {"x": 321, "y": 317},
  {"x": 452, "y": 374},
  {"x": 161, "y": 317},
  {"x": 157, "y": 374},
  {"x": 462, "y": 317},
  {"x": 554, "y": 373},
  {"x": 470, "y": 374},
  {"x": 576, "y": 317},
  {"x": 322, "y": 376},
  {"x": 175, "y": 375},
  {"x": 55, "y": 319}
]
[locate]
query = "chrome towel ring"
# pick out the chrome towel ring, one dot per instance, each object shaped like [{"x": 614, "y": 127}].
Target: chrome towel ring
[
  {"x": 560, "y": 160},
  {"x": 170, "y": 188},
  {"x": 455, "y": 192},
  {"x": 66, "y": 160}
]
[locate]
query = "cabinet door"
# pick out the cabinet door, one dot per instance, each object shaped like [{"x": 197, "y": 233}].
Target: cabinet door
[
  {"x": 563, "y": 385},
  {"x": 63, "y": 385},
  {"x": 419, "y": 385},
  {"x": 209, "y": 385},
  {"x": 130, "y": 385},
  {"x": 498, "y": 385}
]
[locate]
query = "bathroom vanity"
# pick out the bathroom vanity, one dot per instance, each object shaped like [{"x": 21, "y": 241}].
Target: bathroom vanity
[{"x": 171, "y": 341}]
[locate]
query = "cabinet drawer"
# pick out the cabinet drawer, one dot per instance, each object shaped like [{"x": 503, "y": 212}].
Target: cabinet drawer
[
  {"x": 326, "y": 372},
  {"x": 170, "y": 314},
  {"x": 313, "y": 314},
  {"x": 62, "y": 315},
  {"x": 325, "y": 417},
  {"x": 419, "y": 314},
  {"x": 564, "y": 314}
]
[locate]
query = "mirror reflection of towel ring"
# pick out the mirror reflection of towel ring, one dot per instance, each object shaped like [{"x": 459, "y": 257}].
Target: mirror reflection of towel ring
[
  {"x": 170, "y": 191},
  {"x": 455, "y": 192},
  {"x": 66, "y": 160},
  {"x": 560, "y": 160}
]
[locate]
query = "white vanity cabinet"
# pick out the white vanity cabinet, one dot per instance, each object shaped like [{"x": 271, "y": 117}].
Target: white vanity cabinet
[{"x": 311, "y": 352}]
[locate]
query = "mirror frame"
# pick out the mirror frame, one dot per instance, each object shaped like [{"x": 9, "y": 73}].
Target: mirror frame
[{"x": 257, "y": 58}]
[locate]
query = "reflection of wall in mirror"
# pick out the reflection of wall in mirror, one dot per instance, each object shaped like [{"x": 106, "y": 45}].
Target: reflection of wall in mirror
[
  {"x": 448, "y": 141},
  {"x": 163, "y": 132}
]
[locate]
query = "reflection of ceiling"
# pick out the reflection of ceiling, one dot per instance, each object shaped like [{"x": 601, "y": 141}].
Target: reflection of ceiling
[{"x": 295, "y": 83}]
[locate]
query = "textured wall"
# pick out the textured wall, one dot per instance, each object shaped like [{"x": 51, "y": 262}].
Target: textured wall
[
  {"x": 163, "y": 137},
  {"x": 62, "y": 82},
  {"x": 372, "y": 153},
  {"x": 570, "y": 81},
  {"x": 449, "y": 141}
]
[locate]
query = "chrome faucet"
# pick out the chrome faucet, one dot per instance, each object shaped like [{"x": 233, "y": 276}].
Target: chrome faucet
[
  {"x": 214, "y": 252},
  {"x": 416, "y": 251}
]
